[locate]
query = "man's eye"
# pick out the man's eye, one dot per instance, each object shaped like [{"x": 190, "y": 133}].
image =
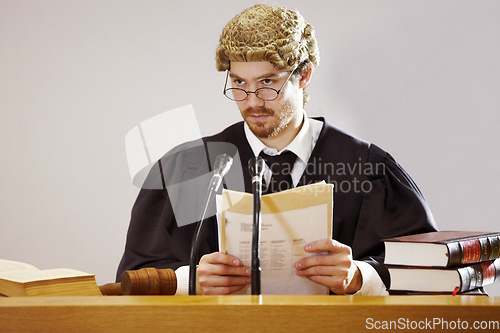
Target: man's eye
[
  {"x": 238, "y": 82},
  {"x": 267, "y": 81}
]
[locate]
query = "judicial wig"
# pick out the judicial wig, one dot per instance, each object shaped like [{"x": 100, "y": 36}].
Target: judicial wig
[{"x": 268, "y": 33}]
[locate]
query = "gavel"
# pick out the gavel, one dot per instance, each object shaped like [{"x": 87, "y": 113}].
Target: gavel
[{"x": 145, "y": 281}]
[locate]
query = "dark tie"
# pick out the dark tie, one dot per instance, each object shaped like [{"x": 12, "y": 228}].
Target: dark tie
[{"x": 281, "y": 167}]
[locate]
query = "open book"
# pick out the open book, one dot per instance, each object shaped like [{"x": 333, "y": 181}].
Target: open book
[
  {"x": 21, "y": 279},
  {"x": 290, "y": 220}
]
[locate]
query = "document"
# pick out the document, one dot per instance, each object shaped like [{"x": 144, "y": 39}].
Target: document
[{"x": 290, "y": 219}]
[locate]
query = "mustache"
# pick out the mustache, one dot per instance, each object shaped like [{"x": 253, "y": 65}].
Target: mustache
[{"x": 258, "y": 111}]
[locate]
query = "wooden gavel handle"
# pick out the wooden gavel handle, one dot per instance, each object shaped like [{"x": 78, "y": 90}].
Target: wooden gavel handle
[
  {"x": 111, "y": 289},
  {"x": 145, "y": 281}
]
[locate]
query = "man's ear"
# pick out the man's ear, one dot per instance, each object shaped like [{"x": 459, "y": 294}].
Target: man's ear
[{"x": 305, "y": 76}]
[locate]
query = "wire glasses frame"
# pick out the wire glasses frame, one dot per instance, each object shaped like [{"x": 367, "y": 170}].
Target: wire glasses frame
[{"x": 264, "y": 93}]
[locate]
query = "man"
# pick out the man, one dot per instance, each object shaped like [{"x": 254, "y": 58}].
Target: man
[{"x": 270, "y": 54}]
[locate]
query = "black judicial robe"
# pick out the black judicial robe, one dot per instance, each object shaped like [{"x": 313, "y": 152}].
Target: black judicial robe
[{"x": 374, "y": 198}]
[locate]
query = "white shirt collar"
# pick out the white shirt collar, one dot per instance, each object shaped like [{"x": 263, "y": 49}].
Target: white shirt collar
[{"x": 301, "y": 145}]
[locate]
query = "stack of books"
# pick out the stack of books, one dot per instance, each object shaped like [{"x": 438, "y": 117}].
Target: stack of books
[{"x": 444, "y": 262}]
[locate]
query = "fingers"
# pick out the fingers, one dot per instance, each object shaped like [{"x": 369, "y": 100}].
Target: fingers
[
  {"x": 222, "y": 274},
  {"x": 332, "y": 266},
  {"x": 222, "y": 264},
  {"x": 220, "y": 258},
  {"x": 339, "y": 279},
  {"x": 329, "y": 259},
  {"x": 222, "y": 285},
  {"x": 326, "y": 245},
  {"x": 324, "y": 265},
  {"x": 222, "y": 269},
  {"x": 329, "y": 253},
  {"x": 221, "y": 290}
]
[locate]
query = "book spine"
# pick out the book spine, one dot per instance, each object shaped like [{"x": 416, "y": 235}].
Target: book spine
[
  {"x": 489, "y": 272},
  {"x": 485, "y": 249},
  {"x": 465, "y": 279},
  {"x": 470, "y": 251},
  {"x": 478, "y": 275},
  {"x": 496, "y": 263},
  {"x": 495, "y": 247},
  {"x": 454, "y": 254}
]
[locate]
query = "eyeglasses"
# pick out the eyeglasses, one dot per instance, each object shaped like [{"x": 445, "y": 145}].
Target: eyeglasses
[{"x": 265, "y": 93}]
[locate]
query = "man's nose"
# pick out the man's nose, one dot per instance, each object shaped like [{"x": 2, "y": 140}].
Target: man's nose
[{"x": 253, "y": 100}]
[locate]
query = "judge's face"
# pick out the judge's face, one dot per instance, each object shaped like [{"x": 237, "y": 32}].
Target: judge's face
[{"x": 267, "y": 119}]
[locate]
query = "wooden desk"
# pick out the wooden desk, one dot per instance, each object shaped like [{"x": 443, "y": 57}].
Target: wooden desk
[{"x": 244, "y": 313}]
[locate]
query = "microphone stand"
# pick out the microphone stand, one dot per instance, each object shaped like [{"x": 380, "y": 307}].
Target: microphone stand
[
  {"x": 222, "y": 165},
  {"x": 256, "y": 168},
  {"x": 195, "y": 247}
]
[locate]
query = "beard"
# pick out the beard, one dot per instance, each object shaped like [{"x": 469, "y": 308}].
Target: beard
[{"x": 275, "y": 123}]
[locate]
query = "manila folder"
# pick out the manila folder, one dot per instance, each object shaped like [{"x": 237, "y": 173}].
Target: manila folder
[{"x": 289, "y": 220}]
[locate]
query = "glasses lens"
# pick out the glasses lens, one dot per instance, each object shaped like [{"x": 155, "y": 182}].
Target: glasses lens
[
  {"x": 235, "y": 94},
  {"x": 267, "y": 94}
]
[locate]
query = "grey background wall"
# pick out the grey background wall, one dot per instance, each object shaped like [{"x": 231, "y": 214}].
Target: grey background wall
[{"x": 418, "y": 78}]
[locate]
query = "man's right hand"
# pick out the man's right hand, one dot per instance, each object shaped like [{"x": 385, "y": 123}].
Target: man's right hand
[{"x": 221, "y": 274}]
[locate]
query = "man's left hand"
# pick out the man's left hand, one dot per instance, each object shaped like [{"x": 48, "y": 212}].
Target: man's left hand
[{"x": 332, "y": 266}]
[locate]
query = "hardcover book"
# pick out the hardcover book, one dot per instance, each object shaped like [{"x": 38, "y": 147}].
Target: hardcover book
[
  {"x": 442, "y": 248},
  {"x": 458, "y": 279}
]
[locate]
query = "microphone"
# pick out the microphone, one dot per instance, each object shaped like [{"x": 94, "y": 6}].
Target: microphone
[
  {"x": 256, "y": 169},
  {"x": 222, "y": 165}
]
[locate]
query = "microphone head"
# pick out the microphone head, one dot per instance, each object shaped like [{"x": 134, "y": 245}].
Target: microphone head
[
  {"x": 222, "y": 164},
  {"x": 256, "y": 166}
]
